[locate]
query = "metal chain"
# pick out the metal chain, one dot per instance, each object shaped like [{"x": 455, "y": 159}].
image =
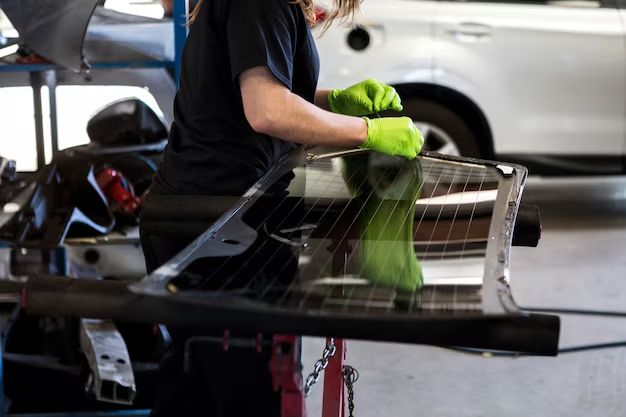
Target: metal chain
[
  {"x": 320, "y": 365},
  {"x": 350, "y": 376}
]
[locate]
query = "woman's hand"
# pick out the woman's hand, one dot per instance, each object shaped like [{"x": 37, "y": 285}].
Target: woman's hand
[
  {"x": 367, "y": 97},
  {"x": 396, "y": 136}
]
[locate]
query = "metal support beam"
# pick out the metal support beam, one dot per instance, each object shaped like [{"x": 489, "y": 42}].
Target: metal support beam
[
  {"x": 51, "y": 83},
  {"x": 36, "y": 82},
  {"x": 112, "y": 379}
]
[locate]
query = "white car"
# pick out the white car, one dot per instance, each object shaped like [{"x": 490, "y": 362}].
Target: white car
[{"x": 540, "y": 82}]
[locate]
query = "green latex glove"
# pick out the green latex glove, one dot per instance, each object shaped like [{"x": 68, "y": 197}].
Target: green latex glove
[
  {"x": 395, "y": 136},
  {"x": 367, "y": 97},
  {"x": 389, "y": 187}
]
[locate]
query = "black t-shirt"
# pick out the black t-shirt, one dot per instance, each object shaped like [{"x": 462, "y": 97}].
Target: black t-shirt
[{"x": 212, "y": 148}]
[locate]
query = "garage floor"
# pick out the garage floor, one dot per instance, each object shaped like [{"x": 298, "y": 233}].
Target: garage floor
[{"x": 580, "y": 263}]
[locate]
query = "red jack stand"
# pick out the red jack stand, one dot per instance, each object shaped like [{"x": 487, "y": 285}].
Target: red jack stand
[{"x": 286, "y": 375}]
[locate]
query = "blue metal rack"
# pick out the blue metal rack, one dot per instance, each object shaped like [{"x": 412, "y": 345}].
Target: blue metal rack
[
  {"x": 152, "y": 63},
  {"x": 45, "y": 75}
]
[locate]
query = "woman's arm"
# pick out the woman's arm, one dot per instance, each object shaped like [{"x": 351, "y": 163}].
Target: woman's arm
[
  {"x": 272, "y": 109},
  {"x": 321, "y": 99}
]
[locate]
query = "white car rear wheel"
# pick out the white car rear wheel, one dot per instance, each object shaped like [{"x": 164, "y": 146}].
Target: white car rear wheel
[
  {"x": 444, "y": 131},
  {"x": 436, "y": 139}
]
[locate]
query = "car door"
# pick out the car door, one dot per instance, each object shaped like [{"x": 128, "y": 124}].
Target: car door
[
  {"x": 392, "y": 42},
  {"x": 549, "y": 75}
]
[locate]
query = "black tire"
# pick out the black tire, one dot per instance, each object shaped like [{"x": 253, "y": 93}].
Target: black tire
[{"x": 443, "y": 118}]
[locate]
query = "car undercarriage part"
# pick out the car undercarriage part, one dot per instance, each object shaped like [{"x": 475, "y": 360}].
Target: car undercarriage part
[
  {"x": 116, "y": 256},
  {"x": 46, "y": 369},
  {"x": 111, "y": 379},
  {"x": 77, "y": 195},
  {"x": 65, "y": 196},
  {"x": 287, "y": 259}
]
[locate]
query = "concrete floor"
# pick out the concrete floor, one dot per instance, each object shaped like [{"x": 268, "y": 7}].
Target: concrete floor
[{"x": 580, "y": 263}]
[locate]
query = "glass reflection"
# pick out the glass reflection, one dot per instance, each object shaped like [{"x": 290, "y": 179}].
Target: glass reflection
[
  {"x": 395, "y": 235},
  {"x": 386, "y": 189}
]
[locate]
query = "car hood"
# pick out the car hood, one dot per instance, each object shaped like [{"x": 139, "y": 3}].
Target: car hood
[{"x": 55, "y": 29}]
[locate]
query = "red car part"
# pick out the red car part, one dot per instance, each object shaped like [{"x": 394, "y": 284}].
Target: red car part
[{"x": 118, "y": 191}]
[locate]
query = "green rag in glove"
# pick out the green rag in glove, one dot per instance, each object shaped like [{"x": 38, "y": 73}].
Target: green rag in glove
[
  {"x": 389, "y": 189},
  {"x": 367, "y": 97}
]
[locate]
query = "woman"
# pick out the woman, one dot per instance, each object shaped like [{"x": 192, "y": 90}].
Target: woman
[{"x": 248, "y": 95}]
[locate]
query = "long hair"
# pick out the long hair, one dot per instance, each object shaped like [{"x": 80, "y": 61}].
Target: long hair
[{"x": 344, "y": 10}]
